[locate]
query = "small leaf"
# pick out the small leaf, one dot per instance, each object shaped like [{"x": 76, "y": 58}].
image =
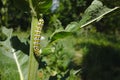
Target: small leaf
[
  {"x": 59, "y": 35},
  {"x": 42, "y": 6},
  {"x": 48, "y": 50},
  {"x": 73, "y": 26}
]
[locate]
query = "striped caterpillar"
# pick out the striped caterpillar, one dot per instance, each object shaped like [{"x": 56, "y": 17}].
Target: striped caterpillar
[{"x": 37, "y": 36}]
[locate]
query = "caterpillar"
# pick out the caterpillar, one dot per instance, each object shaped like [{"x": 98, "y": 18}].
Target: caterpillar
[{"x": 37, "y": 36}]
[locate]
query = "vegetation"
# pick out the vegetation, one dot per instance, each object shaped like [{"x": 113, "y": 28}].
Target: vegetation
[{"x": 80, "y": 40}]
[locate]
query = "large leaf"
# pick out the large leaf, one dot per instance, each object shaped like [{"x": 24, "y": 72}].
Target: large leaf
[
  {"x": 9, "y": 52},
  {"x": 94, "y": 12}
]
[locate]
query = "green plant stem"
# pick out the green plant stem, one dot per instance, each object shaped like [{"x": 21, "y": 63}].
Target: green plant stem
[
  {"x": 32, "y": 8},
  {"x": 33, "y": 64}
]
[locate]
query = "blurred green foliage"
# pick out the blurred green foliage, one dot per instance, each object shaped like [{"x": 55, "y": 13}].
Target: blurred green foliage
[
  {"x": 68, "y": 53},
  {"x": 102, "y": 56}
]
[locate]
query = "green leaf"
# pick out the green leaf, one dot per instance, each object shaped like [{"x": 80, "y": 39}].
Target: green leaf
[
  {"x": 8, "y": 69},
  {"x": 42, "y": 6},
  {"x": 48, "y": 50},
  {"x": 2, "y": 35},
  {"x": 96, "y": 18},
  {"x": 73, "y": 26},
  {"x": 95, "y": 12},
  {"x": 59, "y": 35},
  {"x": 96, "y": 9},
  {"x": 6, "y": 50},
  {"x": 6, "y": 45},
  {"x": 23, "y": 63}
]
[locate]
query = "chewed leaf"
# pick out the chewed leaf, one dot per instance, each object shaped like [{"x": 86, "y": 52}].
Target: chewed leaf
[
  {"x": 6, "y": 49},
  {"x": 95, "y": 12}
]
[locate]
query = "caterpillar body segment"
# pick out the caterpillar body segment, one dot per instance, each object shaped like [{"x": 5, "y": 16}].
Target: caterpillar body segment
[{"x": 37, "y": 36}]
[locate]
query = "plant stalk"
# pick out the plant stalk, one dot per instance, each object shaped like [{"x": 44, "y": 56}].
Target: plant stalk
[{"x": 33, "y": 64}]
